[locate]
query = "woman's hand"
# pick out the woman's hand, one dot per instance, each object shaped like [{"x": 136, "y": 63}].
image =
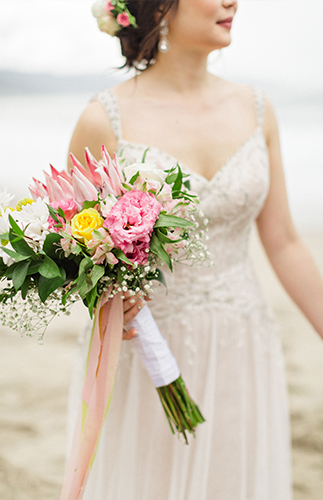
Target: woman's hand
[{"x": 131, "y": 307}]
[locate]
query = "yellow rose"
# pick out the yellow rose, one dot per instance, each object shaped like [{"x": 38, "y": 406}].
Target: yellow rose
[{"x": 84, "y": 223}]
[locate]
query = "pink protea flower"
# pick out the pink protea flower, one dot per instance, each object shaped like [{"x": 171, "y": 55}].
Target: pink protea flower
[
  {"x": 130, "y": 223},
  {"x": 123, "y": 19}
]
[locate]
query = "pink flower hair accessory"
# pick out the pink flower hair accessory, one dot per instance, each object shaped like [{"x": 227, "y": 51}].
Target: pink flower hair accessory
[{"x": 113, "y": 15}]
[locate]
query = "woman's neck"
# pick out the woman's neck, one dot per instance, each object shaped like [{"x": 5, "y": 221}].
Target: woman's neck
[{"x": 182, "y": 74}]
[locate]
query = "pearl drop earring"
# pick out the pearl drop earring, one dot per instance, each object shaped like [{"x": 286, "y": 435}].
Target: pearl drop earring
[{"x": 163, "y": 45}]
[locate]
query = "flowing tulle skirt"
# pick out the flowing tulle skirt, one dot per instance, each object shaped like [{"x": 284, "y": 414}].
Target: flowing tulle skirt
[{"x": 233, "y": 367}]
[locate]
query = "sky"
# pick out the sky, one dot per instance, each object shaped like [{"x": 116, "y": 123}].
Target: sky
[{"x": 278, "y": 41}]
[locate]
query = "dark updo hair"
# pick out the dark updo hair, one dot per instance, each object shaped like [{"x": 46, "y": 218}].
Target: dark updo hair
[{"x": 140, "y": 45}]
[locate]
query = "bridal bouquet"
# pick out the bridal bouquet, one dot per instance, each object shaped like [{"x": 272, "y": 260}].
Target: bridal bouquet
[{"x": 96, "y": 234}]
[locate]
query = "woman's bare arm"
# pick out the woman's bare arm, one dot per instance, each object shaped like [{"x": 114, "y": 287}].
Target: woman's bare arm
[
  {"x": 92, "y": 130},
  {"x": 287, "y": 253}
]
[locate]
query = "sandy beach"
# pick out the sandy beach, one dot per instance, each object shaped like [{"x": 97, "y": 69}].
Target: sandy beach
[{"x": 35, "y": 379}]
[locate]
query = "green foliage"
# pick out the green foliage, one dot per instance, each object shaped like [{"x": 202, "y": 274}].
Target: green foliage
[
  {"x": 89, "y": 204},
  {"x": 49, "y": 269},
  {"x": 121, "y": 256},
  {"x": 134, "y": 178},
  {"x": 51, "y": 244},
  {"x": 158, "y": 249},
  {"x": 165, "y": 220},
  {"x": 46, "y": 286},
  {"x": 19, "y": 274}
]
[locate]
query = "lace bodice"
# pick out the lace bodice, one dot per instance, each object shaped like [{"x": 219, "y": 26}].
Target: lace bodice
[{"x": 231, "y": 201}]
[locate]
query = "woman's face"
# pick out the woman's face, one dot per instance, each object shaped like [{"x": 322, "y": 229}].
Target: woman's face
[{"x": 201, "y": 24}]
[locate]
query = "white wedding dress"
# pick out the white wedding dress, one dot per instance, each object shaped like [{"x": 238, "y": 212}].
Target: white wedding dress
[{"x": 225, "y": 340}]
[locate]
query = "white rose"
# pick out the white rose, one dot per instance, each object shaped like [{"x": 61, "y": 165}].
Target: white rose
[
  {"x": 108, "y": 24},
  {"x": 147, "y": 171},
  {"x": 98, "y": 9}
]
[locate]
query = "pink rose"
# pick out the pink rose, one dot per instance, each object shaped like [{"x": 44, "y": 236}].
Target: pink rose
[
  {"x": 69, "y": 207},
  {"x": 52, "y": 223},
  {"x": 130, "y": 223},
  {"x": 123, "y": 19},
  {"x": 109, "y": 6}
]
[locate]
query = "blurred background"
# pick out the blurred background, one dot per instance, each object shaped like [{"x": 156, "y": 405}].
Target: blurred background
[{"x": 53, "y": 59}]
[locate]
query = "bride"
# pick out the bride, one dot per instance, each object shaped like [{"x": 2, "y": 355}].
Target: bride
[{"x": 216, "y": 320}]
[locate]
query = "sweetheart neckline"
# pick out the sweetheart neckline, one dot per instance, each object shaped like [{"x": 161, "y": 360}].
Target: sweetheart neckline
[{"x": 170, "y": 156}]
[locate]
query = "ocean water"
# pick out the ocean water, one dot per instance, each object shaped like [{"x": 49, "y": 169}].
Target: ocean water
[{"x": 35, "y": 130}]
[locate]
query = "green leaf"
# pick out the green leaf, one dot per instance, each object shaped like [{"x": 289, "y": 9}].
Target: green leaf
[
  {"x": 61, "y": 213},
  {"x": 158, "y": 248},
  {"x": 121, "y": 256},
  {"x": 24, "y": 287},
  {"x": 19, "y": 274},
  {"x": 4, "y": 236},
  {"x": 134, "y": 178},
  {"x": 164, "y": 239},
  {"x": 89, "y": 204},
  {"x": 179, "y": 180},
  {"x": 34, "y": 267},
  {"x": 144, "y": 155},
  {"x": 172, "y": 221},
  {"x": 51, "y": 244},
  {"x": 15, "y": 226},
  {"x": 85, "y": 264},
  {"x": 187, "y": 184},
  {"x": 20, "y": 245},
  {"x": 96, "y": 273},
  {"x": 49, "y": 269},
  {"x": 171, "y": 178},
  {"x": 47, "y": 286},
  {"x": 15, "y": 255},
  {"x": 158, "y": 276},
  {"x": 91, "y": 300}
]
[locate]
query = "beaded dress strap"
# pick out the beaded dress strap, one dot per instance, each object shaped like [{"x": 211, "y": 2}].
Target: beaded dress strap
[
  {"x": 110, "y": 104},
  {"x": 260, "y": 103}
]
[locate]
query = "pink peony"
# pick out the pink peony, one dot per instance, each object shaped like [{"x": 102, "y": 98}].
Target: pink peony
[
  {"x": 130, "y": 223},
  {"x": 123, "y": 19}
]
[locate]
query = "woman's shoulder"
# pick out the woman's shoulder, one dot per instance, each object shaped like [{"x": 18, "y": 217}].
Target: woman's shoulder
[{"x": 92, "y": 130}]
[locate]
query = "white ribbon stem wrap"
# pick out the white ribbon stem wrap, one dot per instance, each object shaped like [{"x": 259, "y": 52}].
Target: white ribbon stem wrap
[{"x": 153, "y": 349}]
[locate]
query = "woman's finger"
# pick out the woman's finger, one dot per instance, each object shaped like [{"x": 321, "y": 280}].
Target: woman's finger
[
  {"x": 130, "y": 334},
  {"x": 133, "y": 311}
]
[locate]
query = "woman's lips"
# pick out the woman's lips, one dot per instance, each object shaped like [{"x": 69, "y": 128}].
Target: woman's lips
[{"x": 226, "y": 23}]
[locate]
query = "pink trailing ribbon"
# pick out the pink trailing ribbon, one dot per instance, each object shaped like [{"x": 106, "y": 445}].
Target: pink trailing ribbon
[{"x": 96, "y": 395}]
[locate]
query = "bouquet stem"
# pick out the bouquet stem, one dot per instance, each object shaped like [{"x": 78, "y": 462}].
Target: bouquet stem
[{"x": 181, "y": 411}]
